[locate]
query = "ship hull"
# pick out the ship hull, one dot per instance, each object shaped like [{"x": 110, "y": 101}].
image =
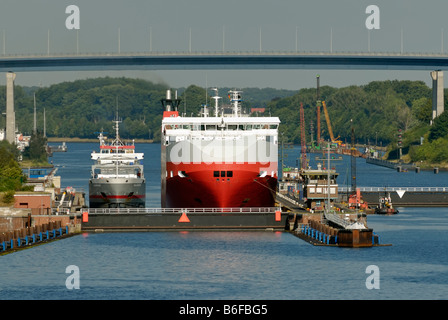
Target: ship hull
[
  {"x": 218, "y": 186},
  {"x": 117, "y": 193},
  {"x": 227, "y": 161}
]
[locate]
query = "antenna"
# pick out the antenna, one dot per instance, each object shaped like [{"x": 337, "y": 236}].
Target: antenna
[
  {"x": 119, "y": 41},
  {"x": 235, "y": 98},
  {"x": 206, "y": 85},
  {"x": 216, "y": 98},
  {"x": 117, "y": 121},
  {"x": 45, "y": 125}
]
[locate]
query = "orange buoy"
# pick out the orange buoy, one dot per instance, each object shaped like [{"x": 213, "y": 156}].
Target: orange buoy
[{"x": 85, "y": 216}]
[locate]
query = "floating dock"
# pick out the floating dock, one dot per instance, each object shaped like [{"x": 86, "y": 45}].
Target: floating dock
[
  {"x": 403, "y": 196},
  {"x": 319, "y": 231},
  {"x": 160, "y": 219}
]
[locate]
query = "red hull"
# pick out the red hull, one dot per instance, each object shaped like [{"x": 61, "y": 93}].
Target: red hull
[{"x": 238, "y": 185}]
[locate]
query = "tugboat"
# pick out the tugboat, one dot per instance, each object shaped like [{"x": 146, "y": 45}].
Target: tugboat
[{"x": 385, "y": 205}]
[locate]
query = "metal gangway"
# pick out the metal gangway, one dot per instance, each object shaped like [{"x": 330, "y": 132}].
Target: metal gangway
[{"x": 346, "y": 224}]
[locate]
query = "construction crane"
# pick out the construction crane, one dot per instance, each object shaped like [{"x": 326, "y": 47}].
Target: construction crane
[
  {"x": 302, "y": 138},
  {"x": 318, "y": 104},
  {"x": 355, "y": 200},
  {"x": 330, "y": 130}
]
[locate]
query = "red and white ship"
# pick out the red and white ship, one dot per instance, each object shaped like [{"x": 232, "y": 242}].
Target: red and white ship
[{"x": 219, "y": 161}]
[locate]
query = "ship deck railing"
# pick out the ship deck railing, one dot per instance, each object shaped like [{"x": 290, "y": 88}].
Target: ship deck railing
[
  {"x": 392, "y": 189},
  {"x": 181, "y": 210}
]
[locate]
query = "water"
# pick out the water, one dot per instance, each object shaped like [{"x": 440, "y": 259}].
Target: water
[{"x": 234, "y": 265}]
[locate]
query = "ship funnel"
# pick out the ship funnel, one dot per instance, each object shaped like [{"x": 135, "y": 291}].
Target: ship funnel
[{"x": 168, "y": 103}]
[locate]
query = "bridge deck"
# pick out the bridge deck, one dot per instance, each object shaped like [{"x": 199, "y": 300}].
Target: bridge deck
[{"x": 224, "y": 60}]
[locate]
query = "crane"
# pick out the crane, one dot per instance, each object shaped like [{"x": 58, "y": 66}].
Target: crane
[
  {"x": 302, "y": 137},
  {"x": 330, "y": 130}
]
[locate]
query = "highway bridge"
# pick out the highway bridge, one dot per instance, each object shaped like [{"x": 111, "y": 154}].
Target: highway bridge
[{"x": 220, "y": 60}]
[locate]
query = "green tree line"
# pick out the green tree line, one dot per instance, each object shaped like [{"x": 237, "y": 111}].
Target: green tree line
[{"x": 378, "y": 110}]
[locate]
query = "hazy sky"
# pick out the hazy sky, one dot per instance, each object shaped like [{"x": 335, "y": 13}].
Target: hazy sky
[{"x": 233, "y": 25}]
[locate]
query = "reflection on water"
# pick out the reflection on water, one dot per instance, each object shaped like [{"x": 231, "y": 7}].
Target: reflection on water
[
  {"x": 230, "y": 265},
  {"x": 235, "y": 265}
]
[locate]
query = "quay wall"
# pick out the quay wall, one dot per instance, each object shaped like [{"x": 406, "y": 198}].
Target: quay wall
[
  {"x": 13, "y": 219},
  {"x": 19, "y": 228}
]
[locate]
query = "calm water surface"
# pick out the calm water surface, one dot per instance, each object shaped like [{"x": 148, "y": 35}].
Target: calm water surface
[{"x": 233, "y": 265}]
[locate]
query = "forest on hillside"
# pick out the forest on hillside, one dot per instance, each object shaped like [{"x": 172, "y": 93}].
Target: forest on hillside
[{"x": 378, "y": 110}]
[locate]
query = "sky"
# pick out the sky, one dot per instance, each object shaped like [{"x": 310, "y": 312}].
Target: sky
[{"x": 409, "y": 26}]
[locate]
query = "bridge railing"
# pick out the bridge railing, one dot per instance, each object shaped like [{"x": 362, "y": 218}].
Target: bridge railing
[
  {"x": 217, "y": 53},
  {"x": 393, "y": 189}
]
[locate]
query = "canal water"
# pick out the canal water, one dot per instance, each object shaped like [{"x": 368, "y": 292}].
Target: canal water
[{"x": 262, "y": 265}]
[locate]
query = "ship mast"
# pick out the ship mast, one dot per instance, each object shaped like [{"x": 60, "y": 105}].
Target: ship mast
[
  {"x": 117, "y": 141},
  {"x": 216, "y": 98},
  {"x": 235, "y": 99}
]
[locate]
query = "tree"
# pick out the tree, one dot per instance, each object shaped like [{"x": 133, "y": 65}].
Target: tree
[
  {"x": 36, "y": 151},
  {"x": 11, "y": 176},
  {"x": 439, "y": 128}
]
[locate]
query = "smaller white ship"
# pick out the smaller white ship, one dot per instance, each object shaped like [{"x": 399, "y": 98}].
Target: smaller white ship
[{"x": 117, "y": 179}]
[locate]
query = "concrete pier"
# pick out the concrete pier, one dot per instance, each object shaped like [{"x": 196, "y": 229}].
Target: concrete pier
[
  {"x": 437, "y": 93},
  {"x": 10, "y": 113},
  {"x": 20, "y": 229}
]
